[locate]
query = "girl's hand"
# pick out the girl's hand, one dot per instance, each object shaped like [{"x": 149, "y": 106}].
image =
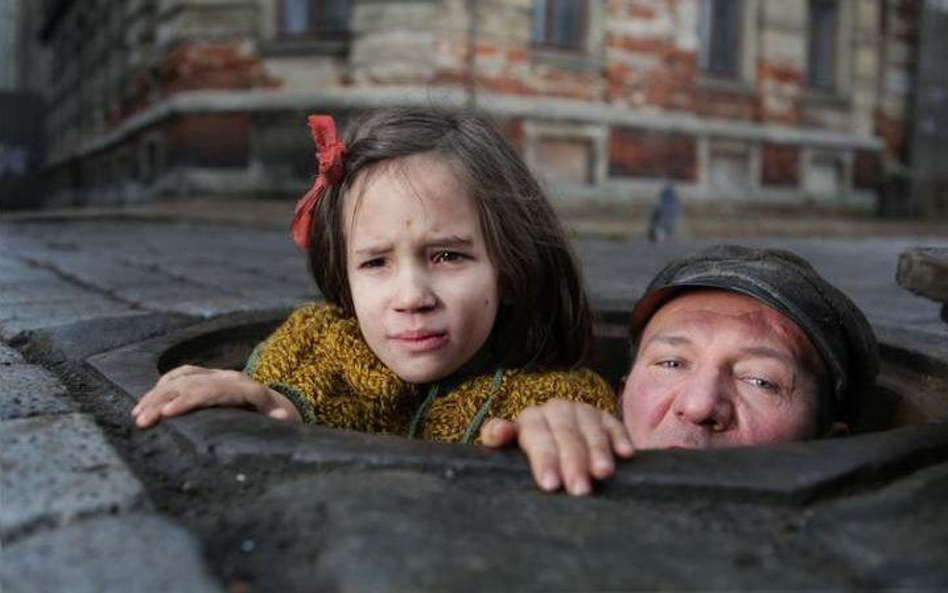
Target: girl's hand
[
  {"x": 188, "y": 388},
  {"x": 566, "y": 443}
]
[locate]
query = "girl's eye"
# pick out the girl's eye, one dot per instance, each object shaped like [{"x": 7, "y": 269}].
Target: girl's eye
[
  {"x": 445, "y": 257},
  {"x": 377, "y": 262}
]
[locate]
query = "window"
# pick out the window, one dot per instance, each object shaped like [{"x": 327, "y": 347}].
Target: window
[
  {"x": 302, "y": 18},
  {"x": 821, "y": 54},
  {"x": 721, "y": 37},
  {"x": 560, "y": 23}
]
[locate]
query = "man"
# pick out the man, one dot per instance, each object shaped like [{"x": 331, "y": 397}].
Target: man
[{"x": 732, "y": 346}]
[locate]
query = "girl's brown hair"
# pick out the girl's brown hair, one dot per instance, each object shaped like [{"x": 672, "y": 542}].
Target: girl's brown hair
[{"x": 544, "y": 319}]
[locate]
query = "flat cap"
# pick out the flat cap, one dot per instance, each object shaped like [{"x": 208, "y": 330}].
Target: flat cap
[{"x": 787, "y": 283}]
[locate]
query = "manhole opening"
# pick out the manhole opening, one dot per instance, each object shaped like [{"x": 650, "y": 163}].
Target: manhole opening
[{"x": 912, "y": 387}]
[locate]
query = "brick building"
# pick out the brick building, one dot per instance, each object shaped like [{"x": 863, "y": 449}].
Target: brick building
[{"x": 771, "y": 101}]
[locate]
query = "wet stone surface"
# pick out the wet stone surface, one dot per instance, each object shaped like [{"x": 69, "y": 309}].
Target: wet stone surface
[
  {"x": 135, "y": 552},
  {"x": 9, "y": 355},
  {"x": 890, "y": 534},
  {"x": 229, "y": 500},
  {"x": 29, "y": 390},
  {"x": 57, "y": 468}
]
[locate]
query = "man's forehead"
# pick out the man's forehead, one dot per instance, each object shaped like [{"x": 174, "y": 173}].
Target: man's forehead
[{"x": 703, "y": 310}]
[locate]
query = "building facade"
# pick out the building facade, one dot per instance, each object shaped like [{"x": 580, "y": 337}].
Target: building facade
[{"x": 802, "y": 102}]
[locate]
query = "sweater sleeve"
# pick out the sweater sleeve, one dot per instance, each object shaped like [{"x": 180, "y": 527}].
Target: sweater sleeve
[
  {"x": 319, "y": 361},
  {"x": 532, "y": 389},
  {"x": 276, "y": 360}
]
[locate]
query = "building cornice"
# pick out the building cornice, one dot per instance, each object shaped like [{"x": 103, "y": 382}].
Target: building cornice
[{"x": 540, "y": 108}]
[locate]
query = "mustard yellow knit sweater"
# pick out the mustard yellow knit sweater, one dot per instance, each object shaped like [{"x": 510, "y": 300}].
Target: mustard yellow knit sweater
[{"x": 319, "y": 360}]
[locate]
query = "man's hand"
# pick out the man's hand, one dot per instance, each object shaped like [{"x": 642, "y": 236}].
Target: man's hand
[
  {"x": 188, "y": 388},
  {"x": 566, "y": 443}
]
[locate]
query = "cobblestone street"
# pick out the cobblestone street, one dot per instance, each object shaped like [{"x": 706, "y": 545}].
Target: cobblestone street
[{"x": 215, "y": 501}]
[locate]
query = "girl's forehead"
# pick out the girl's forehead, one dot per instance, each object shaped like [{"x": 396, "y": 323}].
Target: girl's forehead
[{"x": 406, "y": 191}]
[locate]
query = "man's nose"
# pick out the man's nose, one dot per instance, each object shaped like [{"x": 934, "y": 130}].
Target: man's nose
[
  {"x": 413, "y": 290},
  {"x": 706, "y": 400}
]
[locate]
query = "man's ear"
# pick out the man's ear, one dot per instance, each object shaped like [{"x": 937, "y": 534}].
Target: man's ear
[{"x": 836, "y": 429}]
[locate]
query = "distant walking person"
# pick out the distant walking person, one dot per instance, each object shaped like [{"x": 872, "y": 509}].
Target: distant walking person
[{"x": 665, "y": 216}]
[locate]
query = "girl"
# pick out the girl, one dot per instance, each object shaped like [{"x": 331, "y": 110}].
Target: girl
[{"x": 451, "y": 292}]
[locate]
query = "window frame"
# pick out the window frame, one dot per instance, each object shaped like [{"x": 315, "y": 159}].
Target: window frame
[
  {"x": 548, "y": 41},
  {"x": 831, "y": 83},
  {"x": 708, "y": 40},
  {"x": 313, "y": 29}
]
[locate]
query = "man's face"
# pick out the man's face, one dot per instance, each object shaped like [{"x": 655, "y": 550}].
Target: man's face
[{"x": 717, "y": 368}]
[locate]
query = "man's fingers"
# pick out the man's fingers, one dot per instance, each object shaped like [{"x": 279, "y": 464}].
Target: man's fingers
[
  {"x": 597, "y": 440},
  {"x": 537, "y": 442},
  {"x": 618, "y": 435},
  {"x": 498, "y": 432}
]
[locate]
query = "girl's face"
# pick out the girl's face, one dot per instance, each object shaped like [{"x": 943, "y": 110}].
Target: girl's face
[{"x": 423, "y": 288}]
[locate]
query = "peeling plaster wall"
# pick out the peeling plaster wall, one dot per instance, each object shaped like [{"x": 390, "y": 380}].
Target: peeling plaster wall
[{"x": 631, "y": 105}]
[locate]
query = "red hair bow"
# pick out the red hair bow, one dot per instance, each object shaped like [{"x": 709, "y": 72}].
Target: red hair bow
[{"x": 330, "y": 153}]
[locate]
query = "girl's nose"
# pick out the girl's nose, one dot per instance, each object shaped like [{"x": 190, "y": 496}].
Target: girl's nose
[
  {"x": 413, "y": 292},
  {"x": 705, "y": 400}
]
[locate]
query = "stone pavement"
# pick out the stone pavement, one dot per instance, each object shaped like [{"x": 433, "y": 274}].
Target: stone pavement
[{"x": 226, "y": 500}]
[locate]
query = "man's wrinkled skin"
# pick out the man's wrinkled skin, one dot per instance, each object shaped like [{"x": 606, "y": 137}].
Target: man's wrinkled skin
[{"x": 713, "y": 369}]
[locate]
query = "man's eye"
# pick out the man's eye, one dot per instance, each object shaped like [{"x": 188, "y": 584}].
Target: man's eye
[
  {"x": 671, "y": 364},
  {"x": 762, "y": 383},
  {"x": 444, "y": 257}
]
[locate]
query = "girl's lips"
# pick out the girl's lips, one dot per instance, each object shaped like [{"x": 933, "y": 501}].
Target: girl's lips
[{"x": 420, "y": 341}]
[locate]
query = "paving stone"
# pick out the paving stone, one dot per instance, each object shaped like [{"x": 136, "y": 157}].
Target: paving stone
[
  {"x": 14, "y": 270},
  {"x": 134, "y": 552},
  {"x": 22, "y": 318},
  {"x": 9, "y": 355},
  {"x": 186, "y": 298},
  {"x": 56, "y": 468},
  {"x": 49, "y": 290},
  {"x": 97, "y": 269},
  {"x": 27, "y": 390},
  {"x": 80, "y": 339}
]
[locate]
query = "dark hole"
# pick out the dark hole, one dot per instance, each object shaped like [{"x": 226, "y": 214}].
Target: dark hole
[{"x": 912, "y": 387}]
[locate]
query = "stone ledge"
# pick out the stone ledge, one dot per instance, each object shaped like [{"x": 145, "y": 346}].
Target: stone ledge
[
  {"x": 792, "y": 473},
  {"x": 924, "y": 271}
]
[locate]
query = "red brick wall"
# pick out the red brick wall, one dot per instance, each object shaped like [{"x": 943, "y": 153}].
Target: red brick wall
[
  {"x": 212, "y": 66},
  {"x": 780, "y": 165},
  {"x": 210, "y": 140},
  {"x": 670, "y": 84},
  {"x": 643, "y": 153},
  {"x": 781, "y": 93}
]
